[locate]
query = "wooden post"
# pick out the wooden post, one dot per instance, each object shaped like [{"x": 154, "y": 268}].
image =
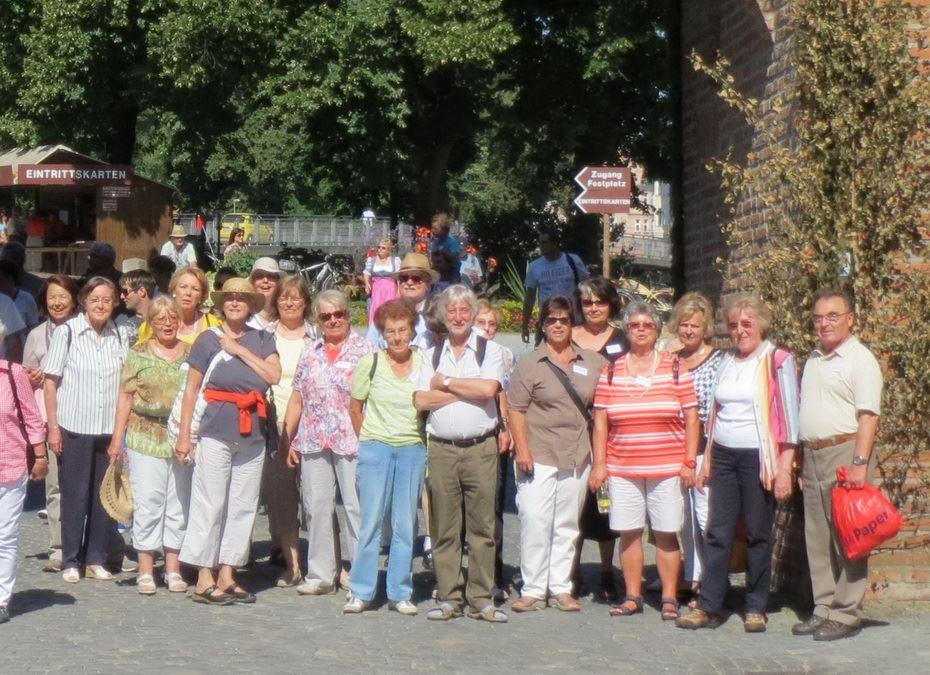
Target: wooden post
[{"x": 605, "y": 226}]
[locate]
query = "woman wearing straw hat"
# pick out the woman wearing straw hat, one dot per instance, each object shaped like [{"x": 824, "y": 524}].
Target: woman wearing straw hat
[
  {"x": 160, "y": 484},
  {"x": 180, "y": 250},
  {"x": 241, "y": 363}
]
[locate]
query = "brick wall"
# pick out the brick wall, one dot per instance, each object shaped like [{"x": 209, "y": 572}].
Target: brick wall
[{"x": 754, "y": 35}]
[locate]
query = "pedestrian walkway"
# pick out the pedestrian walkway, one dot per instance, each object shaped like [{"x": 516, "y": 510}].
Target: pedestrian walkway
[{"x": 108, "y": 627}]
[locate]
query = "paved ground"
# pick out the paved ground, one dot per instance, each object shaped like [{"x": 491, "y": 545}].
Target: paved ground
[{"x": 108, "y": 627}]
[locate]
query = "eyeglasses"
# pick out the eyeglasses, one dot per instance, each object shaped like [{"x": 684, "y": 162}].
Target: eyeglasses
[
  {"x": 163, "y": 321},
  {"x": 100, "y": 301},
  {"x": 591, "y": 303},
  {"x": 641, "y": 325},
  {"x": 408, "y": 278},
  {"x": 339, "y": 315},
  {"x": 830, "y": 318},
  {"x": 746, "y": 325},
  {"x": 552, "y": 320}
]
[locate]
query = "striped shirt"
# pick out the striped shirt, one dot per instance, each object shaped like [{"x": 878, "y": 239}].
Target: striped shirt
[
  {"x": 646, "y": 427},
  {"x": 89, "y": 369}
]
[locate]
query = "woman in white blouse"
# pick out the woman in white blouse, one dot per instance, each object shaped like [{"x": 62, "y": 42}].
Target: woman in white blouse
[{"x": 380, "y": 283}]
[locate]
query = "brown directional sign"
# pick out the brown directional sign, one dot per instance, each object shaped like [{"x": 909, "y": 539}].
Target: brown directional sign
[{"x": 605, "y": 189}]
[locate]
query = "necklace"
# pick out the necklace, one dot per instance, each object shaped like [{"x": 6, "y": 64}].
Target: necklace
[
  {"x": 695, "y": 357},
  {"x": 166, "y": 354}
]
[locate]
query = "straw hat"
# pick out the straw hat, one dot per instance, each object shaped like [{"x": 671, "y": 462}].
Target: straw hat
[
  {"x": 178, "y": 231},
  {"x": 116, "y": 494},
  {"x": 417, "y": 262},
  {"x": 239, "y": 285}
]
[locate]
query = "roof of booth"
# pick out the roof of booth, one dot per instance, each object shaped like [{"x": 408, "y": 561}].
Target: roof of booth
[{"x": 61, "y": 154}]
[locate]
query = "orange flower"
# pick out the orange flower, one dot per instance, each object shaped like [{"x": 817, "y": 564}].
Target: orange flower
[{"x": 421, "y": 247}]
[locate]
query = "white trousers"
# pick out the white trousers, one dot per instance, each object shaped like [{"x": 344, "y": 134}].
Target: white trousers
[
  {"x": 320, "y": 472},
  {"x": 161, "y": 494},
  {"x": 12, "y": 497},
  {"x": 224, "y": 501},
  {"x": 692, "y": 533},
  {"x": 549, "y": 503}
]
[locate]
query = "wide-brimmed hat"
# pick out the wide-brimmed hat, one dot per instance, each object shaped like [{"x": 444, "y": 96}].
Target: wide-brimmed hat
[
  {"x": 266, "y": 264},
  {"x": 417, "y": 262},
  {"x": 241, "y": 286},
  {"x": 178, "y": 231},
  {"x": 116, "y": 494}
]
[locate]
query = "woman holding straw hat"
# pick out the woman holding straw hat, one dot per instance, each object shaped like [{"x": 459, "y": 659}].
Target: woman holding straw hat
[
  {"x": 239, "y": 364},
  {"x": 160, "y": 484}
]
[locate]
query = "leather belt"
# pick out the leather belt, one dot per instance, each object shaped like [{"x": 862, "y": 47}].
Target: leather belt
[
  {"x": 466, "y": 442},
  {"x": 829, "y": 442}
]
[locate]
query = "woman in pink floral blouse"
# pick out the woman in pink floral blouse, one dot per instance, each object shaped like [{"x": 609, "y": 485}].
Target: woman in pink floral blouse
[{"x": 322, "y": 440}]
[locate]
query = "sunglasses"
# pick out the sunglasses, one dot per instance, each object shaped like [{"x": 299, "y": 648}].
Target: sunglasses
[
  {"x": 592, "y": 303},
  {"x": 642, "y": 325},
  {"x": 552, "y": 320},
  {"x": 339, "y": 315},
  {"x": 407, "y": 278},
  {"x": 126, "y": 291}
]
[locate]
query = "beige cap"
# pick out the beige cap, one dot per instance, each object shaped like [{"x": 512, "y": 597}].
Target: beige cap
[{"x": 133, "y": 264}]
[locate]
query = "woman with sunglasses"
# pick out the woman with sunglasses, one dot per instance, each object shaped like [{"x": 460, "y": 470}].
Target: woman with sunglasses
[
  {"x": 322, "y": 441},
  {"x": 752, "y": 433},
  {"x": 646, "y": 433},
  {"x": 379, "y": 280},
  {"x": 599, "y": 305},
  {"x": 552, "y": 455}
]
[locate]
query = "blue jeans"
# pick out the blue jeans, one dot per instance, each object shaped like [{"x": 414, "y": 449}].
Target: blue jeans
[{"x": 389, "y": 479}]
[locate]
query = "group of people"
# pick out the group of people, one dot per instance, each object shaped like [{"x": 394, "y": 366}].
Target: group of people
[{"x": 274, "y": 398}]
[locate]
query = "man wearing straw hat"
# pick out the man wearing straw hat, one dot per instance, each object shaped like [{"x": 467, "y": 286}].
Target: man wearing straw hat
[
  {"x": 178, "y": 249},
  {"x": 414, "y": 279}
]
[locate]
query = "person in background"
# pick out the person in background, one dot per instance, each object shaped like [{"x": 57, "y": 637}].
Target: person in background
[
  {"x": 136, "y": 290},
  {"x": 752, "y": 433},
  {"x": 470, "y": 267},
  {"x": 841, "y": 394},
  {"x": 280, "y": 482},
  {"x": 15, "y": 252},
  {"x": 5, "y": 227},
  {"x": 189, "y": 288},
  {"x": 25, "y": 303},
  {"x": 230, "y": 453},
  {"x": 178, "y": 249},
  {"x": 646, "y": 433},
  {"x": 440, "y": 226},
  {"x": 460, "y": 395},
  {"x": 236, "y": 241},
  {"x": 488, "y": 320},
  {"x": 12, "y": 330},
  {"x": 392, "y": 460},
  {"x": 82, "y": 371},
  {"x": 149, "y": 383},
  {"x": 692, "y": 322},
  {"x": 553, "y": 273},
  {"x": 414, "y": 279},
  {"x": 265, "y": 277},
  {"x": 58, "y": 301},
  {"x": 446, "y": 265},
  {"x": 223, "y": 275},
  {"x": 552, "y": 440},
  {"x": 162, "y": 268},
  {"x": 100, "y": 263},
  {"x": 322, "y": 441},
  {"x": 600, "y": 305},
  {"x": 380, "y": 282},
  {"x": 21, "y": 428}
]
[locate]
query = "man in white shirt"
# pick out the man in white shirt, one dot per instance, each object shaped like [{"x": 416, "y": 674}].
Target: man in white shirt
[
  {"x": 178, "y": 249},
  {"x": 553, "y": 273},
  {"x": 24, "y": 302},
  {"x": 841, "y": 394},
  {"x": 459, "y": 393}
]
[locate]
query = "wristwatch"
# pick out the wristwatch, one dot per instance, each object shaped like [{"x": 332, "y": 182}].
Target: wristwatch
[
  {"x": 691, "y": 463},
  {"x": 859, "y": 460},
  {"x": 446, "y": 382}
]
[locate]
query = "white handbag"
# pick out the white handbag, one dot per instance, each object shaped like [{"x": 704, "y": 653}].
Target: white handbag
[{"x": 200, "y": 405}]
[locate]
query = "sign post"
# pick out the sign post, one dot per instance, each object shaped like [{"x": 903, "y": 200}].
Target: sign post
[{"x": 605, "y": 190}]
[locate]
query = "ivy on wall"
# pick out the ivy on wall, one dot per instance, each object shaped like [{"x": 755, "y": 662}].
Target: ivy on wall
[{"x": 842, "y": 176}]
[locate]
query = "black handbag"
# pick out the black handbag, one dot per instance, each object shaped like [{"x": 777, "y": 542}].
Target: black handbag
[{"x": 270, "y": 426}]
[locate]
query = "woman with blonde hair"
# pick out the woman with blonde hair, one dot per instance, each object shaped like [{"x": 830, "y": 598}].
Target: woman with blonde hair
[
  {"x": 149, "y": 383},
  {"x": 692, "y": 322},
  {"x": 380, "y": 283},
  {"x": 189, "y": 287}
]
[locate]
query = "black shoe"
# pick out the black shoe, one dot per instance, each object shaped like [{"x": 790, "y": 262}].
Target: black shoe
[
  {"x": 834, "y": 630},
  {"x": 807, "y": 627},
  {"x": 4, "y": 614}
]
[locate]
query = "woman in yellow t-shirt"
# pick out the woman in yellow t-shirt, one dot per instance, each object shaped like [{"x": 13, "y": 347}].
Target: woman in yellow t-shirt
[{"x": 188, "y": 286}]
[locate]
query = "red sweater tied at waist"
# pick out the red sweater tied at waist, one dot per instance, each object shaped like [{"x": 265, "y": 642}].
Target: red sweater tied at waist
[{"x": 246, "y": 403}]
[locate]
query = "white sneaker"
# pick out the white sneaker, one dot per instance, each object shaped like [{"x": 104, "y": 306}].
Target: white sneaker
[
  {"x": 404, "y": 607},
  {"x": 71, "y": 575},
  {"x": 98, "y": 572},
  {"x": 355, "y": 606},
  {"x": 315, "y": 587}
]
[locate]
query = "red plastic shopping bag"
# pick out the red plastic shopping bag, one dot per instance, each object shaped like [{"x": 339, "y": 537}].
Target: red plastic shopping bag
[{"x": 863, "y": 517}]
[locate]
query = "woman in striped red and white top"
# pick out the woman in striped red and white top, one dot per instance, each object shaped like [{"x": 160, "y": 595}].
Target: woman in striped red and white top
[{"x": 646, "y": 433}]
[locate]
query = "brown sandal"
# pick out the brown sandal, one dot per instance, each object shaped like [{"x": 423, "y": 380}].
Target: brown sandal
[{"x": 623, "y": 610}]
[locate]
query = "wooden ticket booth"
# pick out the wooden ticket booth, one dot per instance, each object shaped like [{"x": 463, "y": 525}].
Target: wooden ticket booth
[{"x": 67, "y": 200}]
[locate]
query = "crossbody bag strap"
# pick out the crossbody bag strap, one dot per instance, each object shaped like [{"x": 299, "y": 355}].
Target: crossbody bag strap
[
  {"x": 19, "y": 408},
  {"x": 571, "y": 391}
]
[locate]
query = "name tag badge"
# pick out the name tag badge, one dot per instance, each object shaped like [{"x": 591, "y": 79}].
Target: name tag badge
[
  {"x": 613, "y": 349},
  {"x": 581, "y": 370},
  {"x": 643, "y": 381},
  {"x": 344, "y": 365}
]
